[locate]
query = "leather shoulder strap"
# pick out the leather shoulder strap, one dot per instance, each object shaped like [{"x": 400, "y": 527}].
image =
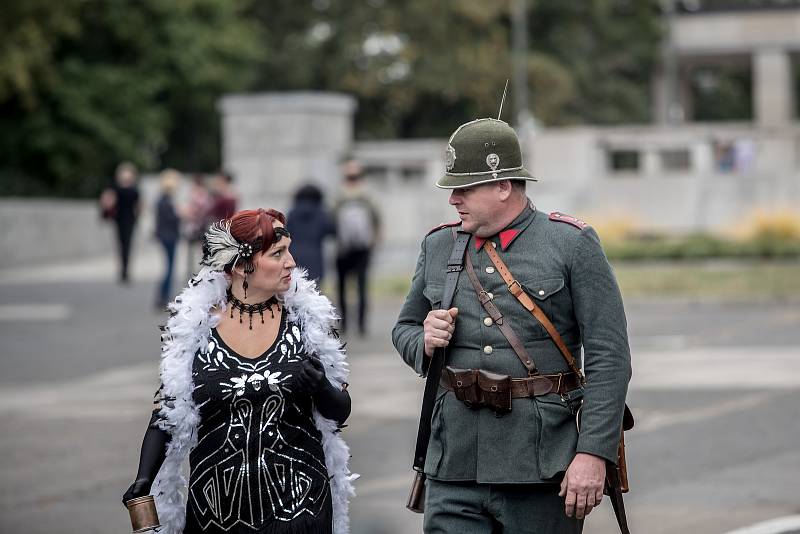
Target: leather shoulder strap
[
  {"x": 497, "y": 317},
  {"x": 455, "y": 264},
  {"x": 515, "y": 288}
]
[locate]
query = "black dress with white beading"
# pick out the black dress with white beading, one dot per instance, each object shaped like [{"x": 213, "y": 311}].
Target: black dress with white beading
[{"x": 259, "y": 465}]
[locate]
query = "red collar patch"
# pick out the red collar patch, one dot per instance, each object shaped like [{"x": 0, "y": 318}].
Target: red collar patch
[{"x": 506, "y": 237}]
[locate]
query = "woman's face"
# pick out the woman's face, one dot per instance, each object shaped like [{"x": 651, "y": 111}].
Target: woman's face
[{"x": 273, "y": 274}]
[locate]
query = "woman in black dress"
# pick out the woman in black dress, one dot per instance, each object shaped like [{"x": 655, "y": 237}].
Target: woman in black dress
[{"x": 253, "y": 388}]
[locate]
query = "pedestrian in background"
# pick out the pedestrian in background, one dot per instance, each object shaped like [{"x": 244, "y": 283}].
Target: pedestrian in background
[
  {"x": 309, "y": 223},
  {"x": 224, "y": 198},
  {"x": 196, "y": 218},
  {"x": 120, "y": 203},
  {"x": 357, "y": 232},
  {"x": 167, "y": 231}
]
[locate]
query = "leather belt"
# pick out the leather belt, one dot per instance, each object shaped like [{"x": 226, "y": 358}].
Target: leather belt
[{"x": 533, "y": 386}]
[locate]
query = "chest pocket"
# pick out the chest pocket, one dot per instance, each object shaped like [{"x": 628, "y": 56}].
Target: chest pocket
[{"x": 546, "y": 293}]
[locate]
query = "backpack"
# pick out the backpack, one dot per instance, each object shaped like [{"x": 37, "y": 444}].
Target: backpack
[{"x": 354, "y": 226}]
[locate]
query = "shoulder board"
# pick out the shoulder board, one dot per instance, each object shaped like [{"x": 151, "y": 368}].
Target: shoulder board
[
  {"x": 569, "y": 219},
  {"x": 444, "y": 225}
]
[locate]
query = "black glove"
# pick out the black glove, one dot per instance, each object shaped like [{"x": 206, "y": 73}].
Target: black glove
[
  {"x": 139, "y": 488},
  {"x": 332, "y": 403},
  {"x": 311, "y": 377},
  {"x": 154, "y": 450}
]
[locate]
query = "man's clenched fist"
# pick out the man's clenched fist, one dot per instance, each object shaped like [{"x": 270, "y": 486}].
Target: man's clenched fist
[{"x": 438, "y": 328}]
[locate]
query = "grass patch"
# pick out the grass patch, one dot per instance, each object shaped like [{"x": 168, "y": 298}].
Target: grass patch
[
  {"x": 740, "y": 280},
  {"x": 734, "y": 280},
  {"x": 701, "y": 246}
]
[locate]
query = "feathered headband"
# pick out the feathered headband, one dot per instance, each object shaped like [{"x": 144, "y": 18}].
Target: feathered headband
[{"x": 222, "y": 251}]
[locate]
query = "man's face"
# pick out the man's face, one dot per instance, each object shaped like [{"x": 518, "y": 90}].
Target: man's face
[{"x": 478, "y": 208}]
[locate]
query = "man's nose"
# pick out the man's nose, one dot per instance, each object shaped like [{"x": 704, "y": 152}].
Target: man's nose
[{"x": 455, "y": 198}]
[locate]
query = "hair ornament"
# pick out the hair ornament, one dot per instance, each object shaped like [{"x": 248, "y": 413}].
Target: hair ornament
[{"x": 221, "y": 250}]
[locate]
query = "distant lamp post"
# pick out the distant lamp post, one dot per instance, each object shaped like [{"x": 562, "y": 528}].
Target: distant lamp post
[
  {"x": 672, "y": 112},
  {"x": 525, "y": 121}
]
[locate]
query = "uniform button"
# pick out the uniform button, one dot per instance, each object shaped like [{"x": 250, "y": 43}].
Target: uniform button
[
  {"x": 487, "y": 349},
  {"x": 494, "y": 245},
  {"x": 236, "y": 436},
  {"x": 541, "y": 292},
  {"x": 490, "y": 270},
  {"x": 488, "y": 321},
  {"x": 490, "y": 295}
]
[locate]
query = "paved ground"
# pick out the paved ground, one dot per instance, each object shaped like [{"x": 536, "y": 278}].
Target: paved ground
[{"x": 716, "y": 393}]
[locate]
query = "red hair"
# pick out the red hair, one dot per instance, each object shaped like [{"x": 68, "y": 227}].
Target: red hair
[{"x": 247, "y": 226}]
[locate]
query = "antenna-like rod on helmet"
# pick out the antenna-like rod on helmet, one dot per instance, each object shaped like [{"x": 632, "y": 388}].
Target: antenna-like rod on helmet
[{"x": 503, "y": 100}]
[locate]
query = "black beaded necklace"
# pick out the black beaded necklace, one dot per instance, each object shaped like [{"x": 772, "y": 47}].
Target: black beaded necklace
[{"x": 250, "y": 309}]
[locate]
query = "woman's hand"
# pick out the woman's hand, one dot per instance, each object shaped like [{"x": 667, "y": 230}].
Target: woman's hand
[
  {"x": 139, "y": 488},
  {"x": 331, "y": 402},
  {"x": 311, "y": 377}
]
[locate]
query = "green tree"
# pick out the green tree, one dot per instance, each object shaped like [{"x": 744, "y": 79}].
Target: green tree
[
  {"x": 87, "y": 83},
  {"x": 421, "y": 67},
  {"x": 609, "y": 48}
]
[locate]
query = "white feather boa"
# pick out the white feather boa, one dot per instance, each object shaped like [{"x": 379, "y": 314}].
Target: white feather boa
[{"x": 186, "y": 332}]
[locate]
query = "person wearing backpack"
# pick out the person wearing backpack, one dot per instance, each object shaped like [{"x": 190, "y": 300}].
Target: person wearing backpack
[{"x": 357, "y": 232}]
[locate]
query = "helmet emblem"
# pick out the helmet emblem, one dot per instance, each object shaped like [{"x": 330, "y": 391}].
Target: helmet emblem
[
  {"x": 449, "y": 157},
  {"x": 493, "y": 161}
]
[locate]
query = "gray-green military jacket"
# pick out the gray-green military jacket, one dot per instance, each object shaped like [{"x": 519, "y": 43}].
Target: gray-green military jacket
[{"x": 564, "y": 268}]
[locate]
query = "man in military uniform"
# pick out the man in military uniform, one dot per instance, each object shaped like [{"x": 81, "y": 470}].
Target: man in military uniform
[{"x": 528, "y": 470}]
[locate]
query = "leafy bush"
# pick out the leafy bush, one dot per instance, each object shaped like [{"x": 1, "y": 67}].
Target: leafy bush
[{"x": 701, "y": 246}]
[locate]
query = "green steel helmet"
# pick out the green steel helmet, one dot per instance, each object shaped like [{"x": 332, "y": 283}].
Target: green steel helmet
[{"x": 482, "y": 151}]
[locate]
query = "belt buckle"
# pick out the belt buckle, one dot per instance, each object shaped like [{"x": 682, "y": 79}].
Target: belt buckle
[{"x": 512, "y": 284}]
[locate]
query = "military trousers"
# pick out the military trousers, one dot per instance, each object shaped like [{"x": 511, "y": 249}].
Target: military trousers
[{"x": 468, "y": 507}]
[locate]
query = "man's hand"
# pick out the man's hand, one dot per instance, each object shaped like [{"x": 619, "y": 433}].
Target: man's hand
[
  {"x": 583, "y": 484},
  {"x": 438, "y": 328}
]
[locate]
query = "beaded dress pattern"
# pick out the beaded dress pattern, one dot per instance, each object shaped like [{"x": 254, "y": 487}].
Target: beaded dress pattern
[{"x": 259, "y": 464}]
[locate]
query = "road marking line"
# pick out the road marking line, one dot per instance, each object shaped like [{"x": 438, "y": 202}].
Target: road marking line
[
  {"x": 717, "y": 368},
  {"x": 34, "y": 312},
  {"x": 658, "y": 420},
  {"x": 773, "y": 526}
]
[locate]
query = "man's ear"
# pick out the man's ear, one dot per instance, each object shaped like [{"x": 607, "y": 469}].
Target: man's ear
[{"x": 504, "y": 189}]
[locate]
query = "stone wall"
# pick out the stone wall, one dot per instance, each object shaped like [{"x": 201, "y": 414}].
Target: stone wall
[{"x": 47, "y": 230}]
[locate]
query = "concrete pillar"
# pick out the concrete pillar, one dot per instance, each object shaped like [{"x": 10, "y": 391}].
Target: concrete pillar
[
  {"x": 702, "y": 158},
  {"x": 651, "y": 163},
  {"x": 275, "y": 142},
  {"x": 772, "y": 87}
]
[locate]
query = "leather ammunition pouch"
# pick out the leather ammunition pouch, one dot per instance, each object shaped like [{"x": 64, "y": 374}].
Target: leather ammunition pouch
[
  {"x": 464, "y": 384},
  {"x": 477, "y": 388},
  {"x": 495, "y": 390}
]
